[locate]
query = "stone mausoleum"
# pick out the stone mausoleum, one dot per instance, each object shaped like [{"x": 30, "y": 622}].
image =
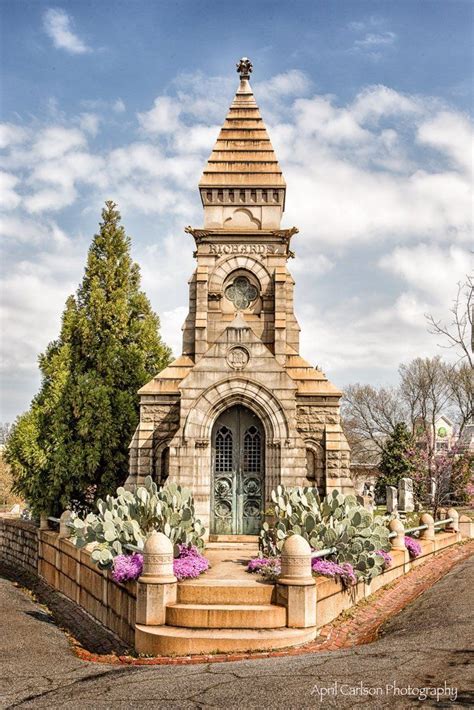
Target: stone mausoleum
[{"x": 240, "y": 411}]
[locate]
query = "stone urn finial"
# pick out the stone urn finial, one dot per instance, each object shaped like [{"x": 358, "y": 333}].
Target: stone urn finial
[{"x": 244, "y": 68}]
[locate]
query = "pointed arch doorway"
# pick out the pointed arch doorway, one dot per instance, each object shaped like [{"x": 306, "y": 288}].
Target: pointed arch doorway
[{"x": 238, "y": 474}]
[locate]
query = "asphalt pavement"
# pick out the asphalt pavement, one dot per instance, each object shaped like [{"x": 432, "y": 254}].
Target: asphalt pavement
[{"x": 428, "y": 646}]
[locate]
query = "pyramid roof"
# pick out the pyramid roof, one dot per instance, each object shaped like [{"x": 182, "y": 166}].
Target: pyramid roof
[{"x": 243, "y": 155}]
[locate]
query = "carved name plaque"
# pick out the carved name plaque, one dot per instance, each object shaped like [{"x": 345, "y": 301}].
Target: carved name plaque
[{"x": 257, "y": 249}]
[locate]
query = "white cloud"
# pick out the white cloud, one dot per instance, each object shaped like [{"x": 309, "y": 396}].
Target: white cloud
[
  {"x": 429, "y": 268},
  {"x": 171, "y": 333},
  {"x": 34, "y": 290},
  {"x": 56, "y": 141},
  {"x": 377, "y": 185},
  {"x": 450, "y": 133},
  {"x": 89, "y": 122},
  {"x": 373, "y": 40},
  {"x": 11, "y": 135},
  {"x": 118, "y": 106},
  {"x": 162, "y": 118},
  {"x": 290, "y": 83},
  {"x": 9, "y": 198},
  {"x": 57, "y": 25}
]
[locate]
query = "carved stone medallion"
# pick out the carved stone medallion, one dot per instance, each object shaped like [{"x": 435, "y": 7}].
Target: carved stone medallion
[{"x": 237, "y": 357}]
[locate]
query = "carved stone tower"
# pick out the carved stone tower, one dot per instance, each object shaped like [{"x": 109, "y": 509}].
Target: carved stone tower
[{"x": 240, "y": 411}]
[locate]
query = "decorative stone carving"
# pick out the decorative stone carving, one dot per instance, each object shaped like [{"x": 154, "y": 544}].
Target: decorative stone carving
[
  {"x": 238, "y": 358},
  {"x": 241, "y": 292},
  {"x": 244, "y": 68}
]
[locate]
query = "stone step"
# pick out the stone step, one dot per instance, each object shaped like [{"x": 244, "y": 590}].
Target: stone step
[
  {"x": 232, "y": 591},
  {"x": 226, "y": 616},
  {"x": 176, "y": 641},
  {"x": 249, "y": 548},
  {"x": 237, "y": 539}
]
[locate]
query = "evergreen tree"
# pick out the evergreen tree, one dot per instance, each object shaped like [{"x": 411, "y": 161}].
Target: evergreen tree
[
  {"x": 32, "y": 441},
  {"x": 397, "y": 460},
  {"x": 80, "y": 425}
]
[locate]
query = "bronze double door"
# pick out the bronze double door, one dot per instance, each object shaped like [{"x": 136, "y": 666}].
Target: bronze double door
[{"x": 238, "y": 445}]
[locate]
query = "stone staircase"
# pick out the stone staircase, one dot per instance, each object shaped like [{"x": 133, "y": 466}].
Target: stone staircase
[{"x": 225, "y": 610}]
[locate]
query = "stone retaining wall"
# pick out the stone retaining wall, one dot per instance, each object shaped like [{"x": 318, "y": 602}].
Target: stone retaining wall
[
  {"x": 19, "y": 544},
  {"x": 332, "y": 600},
  {"x": 70, "y": 571}
]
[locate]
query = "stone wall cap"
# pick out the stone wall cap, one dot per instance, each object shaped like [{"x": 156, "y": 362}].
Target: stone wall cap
[
  {"x": 158, "y": 544},
  {"x": 296, "y": 545}
]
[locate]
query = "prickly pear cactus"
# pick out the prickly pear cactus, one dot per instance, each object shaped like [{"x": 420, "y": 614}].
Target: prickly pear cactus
[
  {"x": 127, "y": 518},
  {"x": 337, "y": 521}
]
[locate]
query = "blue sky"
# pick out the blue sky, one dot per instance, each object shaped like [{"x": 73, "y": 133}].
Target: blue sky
[{"x": 369, "y": 108}]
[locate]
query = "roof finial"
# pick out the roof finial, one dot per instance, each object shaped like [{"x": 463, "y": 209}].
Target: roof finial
[{"x": 244, "y": 68}]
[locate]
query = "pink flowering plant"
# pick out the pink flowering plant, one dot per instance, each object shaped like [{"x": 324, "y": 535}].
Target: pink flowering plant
[
  {"x": 190, "y": 563},
  {"x": 257, "y": 563},
  {"x": 344, "y": 572},
  {"x": 127, "y": 567},
  {"x": 413, "y": 546}
]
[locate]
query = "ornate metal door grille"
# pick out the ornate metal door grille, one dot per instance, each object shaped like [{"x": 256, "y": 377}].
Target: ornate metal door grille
[{"x": 238, "y": 473}]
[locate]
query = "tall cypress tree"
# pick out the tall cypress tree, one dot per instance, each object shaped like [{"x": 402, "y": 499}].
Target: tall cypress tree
[{"x": 110, "y": 340}]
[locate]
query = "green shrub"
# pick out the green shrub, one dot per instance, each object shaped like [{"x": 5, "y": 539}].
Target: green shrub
[
  {"x": 337, "y": 521},
  {"x": 127, "y": 518}
]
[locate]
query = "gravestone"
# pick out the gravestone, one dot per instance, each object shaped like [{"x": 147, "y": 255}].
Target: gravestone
[
  {"x": 367, "y": 502},
  {"x": 405, "y": 495},
  {"x": 391, "y": 498}
]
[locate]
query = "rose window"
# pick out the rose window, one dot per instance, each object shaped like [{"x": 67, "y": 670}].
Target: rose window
[{"x": 241, "y": 292}]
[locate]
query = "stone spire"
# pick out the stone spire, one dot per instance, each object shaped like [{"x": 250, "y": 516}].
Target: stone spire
[{"x": 242, "y": 171}]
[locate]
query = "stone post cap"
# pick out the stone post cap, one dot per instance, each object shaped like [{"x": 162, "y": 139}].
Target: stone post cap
[
  {"x": 453, "y": 513},
  {"x": 157, "y": 560},
  {"x": 157, "y": 544},
  {"x": 396, "y": 525},
  {"x": 296, "y": 545},
  {"x": 296, "y": 562},
  {"x": 429, "y": 533},
  {"x": 464, "y": 519},
  {"x": 397, "y": 542}
]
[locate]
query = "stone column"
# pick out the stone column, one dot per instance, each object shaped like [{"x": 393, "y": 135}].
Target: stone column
[
  {"x": 157, "y": 585},
  {"x": 296, "y": 584},
  {"x": 405, "y": 495},
  {"x": 391, "y": 499}
]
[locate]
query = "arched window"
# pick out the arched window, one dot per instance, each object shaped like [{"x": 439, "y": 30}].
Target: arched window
[
  {"x": 223, "y": 450},
  {"x": 165, "y": 464},
  {"x": 315, "y": 467}
]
